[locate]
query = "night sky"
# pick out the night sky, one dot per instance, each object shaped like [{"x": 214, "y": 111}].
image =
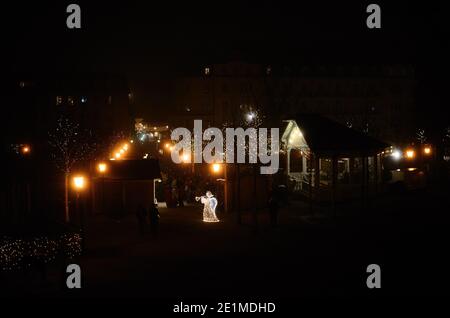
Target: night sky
[{"x": 146, "y": 41}]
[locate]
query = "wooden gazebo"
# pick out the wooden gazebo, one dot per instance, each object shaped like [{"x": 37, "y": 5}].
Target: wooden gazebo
[{"x": 326, "y": 160}]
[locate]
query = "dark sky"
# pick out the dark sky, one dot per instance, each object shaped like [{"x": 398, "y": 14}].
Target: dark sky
[
  {"x": 127, "y": 35},
  {"x": 143, "y": 40}
]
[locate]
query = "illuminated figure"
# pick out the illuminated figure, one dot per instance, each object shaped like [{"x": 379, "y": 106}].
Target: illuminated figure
[{"x": 209, "y": 209}]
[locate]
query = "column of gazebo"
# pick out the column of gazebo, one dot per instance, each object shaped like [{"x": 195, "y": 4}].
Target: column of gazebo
[{"x": 334, "y": 179}]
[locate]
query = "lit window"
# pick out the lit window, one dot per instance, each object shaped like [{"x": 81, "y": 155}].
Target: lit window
[
  {"x": 70, "y": 101},
  {"x": 207, "y": 70},
  {"x": 59, "y": 100}
]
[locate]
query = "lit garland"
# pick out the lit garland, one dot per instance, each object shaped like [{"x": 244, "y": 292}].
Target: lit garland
[{"x": 19, "y": 253}]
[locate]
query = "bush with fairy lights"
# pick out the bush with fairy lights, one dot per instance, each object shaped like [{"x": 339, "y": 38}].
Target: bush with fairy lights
[{"x": 21, "y": 251}]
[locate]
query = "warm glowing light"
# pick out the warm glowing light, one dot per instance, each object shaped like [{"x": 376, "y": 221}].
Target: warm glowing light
[
  {"x": 102, "y": 167},
  {"x": 167, "y": 145},
  {"x": 121, "y": 151},
  {"x": 118, "y": 155},
  {"x": 125, "y": 146},
  {"x": 79, "y": 182},
  {"x": 171, "y": 148},
  {"x": 186, "y": 158},
  {"x": 412, "y": 169},
  {"x": 427, "y": 150},
  {"x": 216, "y": 167},
  {"x": 410, "y": 154},
  {"x": 26, "y": 150},
  {"x": 132, "y": 141}
]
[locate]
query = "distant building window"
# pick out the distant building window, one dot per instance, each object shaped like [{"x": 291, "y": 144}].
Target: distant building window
[
  {"x": 83, "y": 99},
  {"x": 59, "y": 100},
  {"x": 22, "y": 84},
  {"x": 207, "y": 71},
  {"x": 70, "y": 100}
]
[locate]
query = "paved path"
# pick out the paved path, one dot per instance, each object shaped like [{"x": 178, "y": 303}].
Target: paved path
[{"x": 305, "y": 257}]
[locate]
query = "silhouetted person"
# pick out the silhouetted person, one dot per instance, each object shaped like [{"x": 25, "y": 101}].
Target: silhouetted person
[
  {"x": 154, "y": 220},
  {"x": 273, "y": 209},
  {"x": 141, "y": 215},
  {"x": 181, "y": 194}
]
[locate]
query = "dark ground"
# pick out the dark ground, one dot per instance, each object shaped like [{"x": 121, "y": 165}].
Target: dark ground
[{"x": 305, "y": 257}]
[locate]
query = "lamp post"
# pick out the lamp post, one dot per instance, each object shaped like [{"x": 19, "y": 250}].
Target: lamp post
[
  {"x": 102, "y": 169},
  {"x": 25, "y": 150},
  {"x": 217, "y": 168},
  {"x": 79, "y": 184}
]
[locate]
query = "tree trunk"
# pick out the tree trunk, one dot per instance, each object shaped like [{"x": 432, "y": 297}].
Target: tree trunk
[{"x": 66, "y": 198}]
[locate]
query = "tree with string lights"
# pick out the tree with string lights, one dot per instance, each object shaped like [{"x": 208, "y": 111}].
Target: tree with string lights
[
  {"x": 420, "y": 136},
  {"x": 70, "y": 146},
  {"x": 247, "y": 117}
]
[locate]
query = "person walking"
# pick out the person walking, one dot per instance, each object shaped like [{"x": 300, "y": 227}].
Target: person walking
[
  {"x": 154, "y": 220},
  {"x": 141, "y": 215}
]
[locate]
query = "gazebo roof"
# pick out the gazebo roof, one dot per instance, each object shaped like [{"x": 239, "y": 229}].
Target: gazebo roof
[{"x": 328, "y": 138}]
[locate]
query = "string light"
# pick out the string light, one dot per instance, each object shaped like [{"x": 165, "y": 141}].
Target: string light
[{"x": 19, "y": 253}]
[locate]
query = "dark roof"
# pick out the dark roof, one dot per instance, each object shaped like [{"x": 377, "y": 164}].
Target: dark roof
[
  {"x": 327, "y": 137},
  {"x": 145, "y": 169}
]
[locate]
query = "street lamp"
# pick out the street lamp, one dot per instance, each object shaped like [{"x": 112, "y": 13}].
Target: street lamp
[
  {"x": 26, "y": 150},
  {"x": 396, "y": 154},
  {"x": 427, "y": 150},
  {"x": 186, "y": 158},
  {"x": 216, "y": 167},
  {"x": 102, "y": 167},
  {"x": 79, "y": 184},
  {"x": 410, "y": 153}
]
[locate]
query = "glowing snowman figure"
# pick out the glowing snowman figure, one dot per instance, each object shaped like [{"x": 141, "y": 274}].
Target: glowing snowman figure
[{"x": 209, "y": 208}]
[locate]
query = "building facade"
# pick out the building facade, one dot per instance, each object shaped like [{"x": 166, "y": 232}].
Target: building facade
[{"x": 375, "y": 99}]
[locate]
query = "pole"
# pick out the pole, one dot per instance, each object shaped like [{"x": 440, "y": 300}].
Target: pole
[
  {"x": 255, "y": 210},
  {"x": 238, "y": 201},
  {"x": 81, "y": 220},
  {"x": 334, "y": 169},
  {"x": 225, "y": 189}
]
